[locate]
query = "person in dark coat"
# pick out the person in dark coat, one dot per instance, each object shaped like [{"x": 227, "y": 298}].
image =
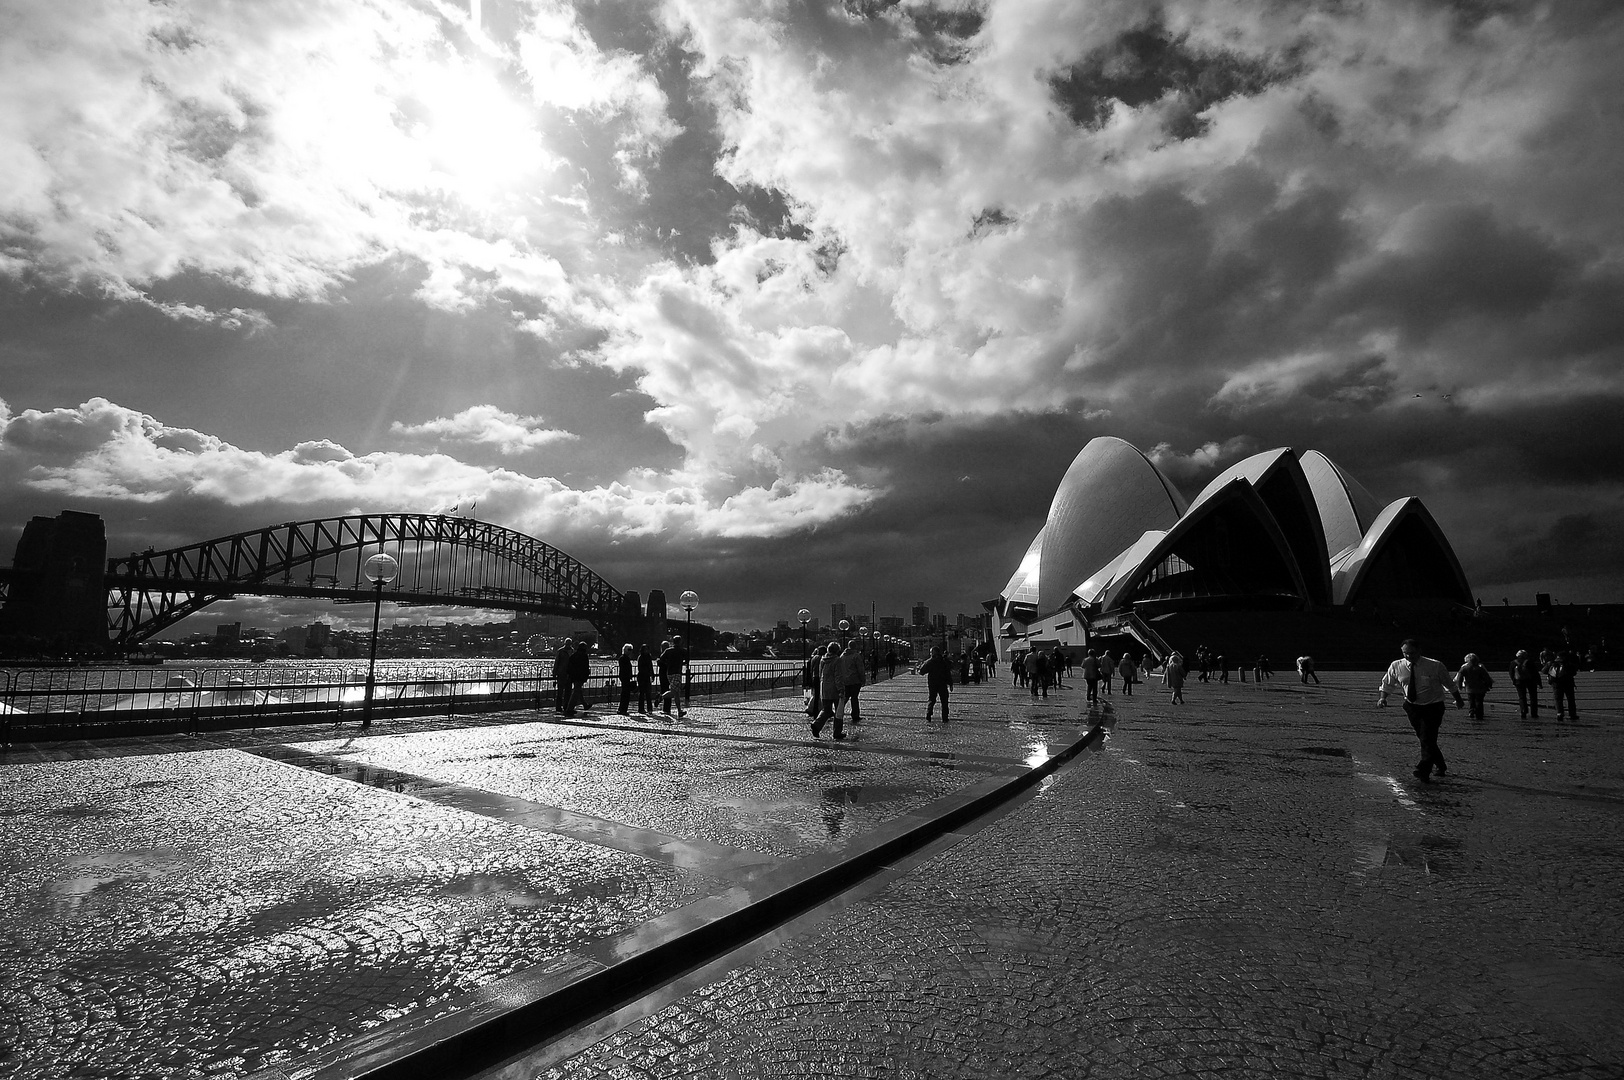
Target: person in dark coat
[
  {"x": 1525, "y": 677},
  {"x": 670, "y": 678},
  {"x": 1564, "y": 671},
  {"x": 809, "y": 682},
  {"x": 645, "y": 681},
  {"x": 561, "y": 677},
  {"x": 1129, "y": 672},
  {"x": 1475, "y": 680},
  {"x": 935, "y": 669},
  {"x": 830, "y": 680},
  {"x": 1091, "y": 676},
  {"x": 580, "y": 672},
  {"x": 626, "y": 677}
]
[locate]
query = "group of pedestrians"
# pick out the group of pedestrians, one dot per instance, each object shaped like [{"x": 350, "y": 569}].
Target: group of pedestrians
[
  {"x": 572, "y": 667},
  {"x": 833, "y": 678},
  {"x": 1423, "y": 684},
  {"x": 1560, "y": 667}
]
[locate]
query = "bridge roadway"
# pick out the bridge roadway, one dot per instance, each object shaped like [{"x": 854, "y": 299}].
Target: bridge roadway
[{"x": 1246, "y": 885}]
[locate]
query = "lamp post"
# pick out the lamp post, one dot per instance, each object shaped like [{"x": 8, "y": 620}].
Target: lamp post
[
  {"x": 804, "y": 615},
  {"x": 688, "y": 601},
  {"x": 381, "y": 569},
  {"x": 862, "y": 632}
]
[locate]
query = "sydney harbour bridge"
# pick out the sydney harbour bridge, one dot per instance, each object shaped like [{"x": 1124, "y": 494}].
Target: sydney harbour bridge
[{"x": 63, "y": 586}]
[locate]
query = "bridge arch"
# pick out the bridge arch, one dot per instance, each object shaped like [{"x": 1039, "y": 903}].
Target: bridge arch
[{"x": 444, "y": 560}]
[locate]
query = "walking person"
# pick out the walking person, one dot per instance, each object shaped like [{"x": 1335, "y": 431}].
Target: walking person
[
  {"x": 851, "y": 677},
  {"x": 1564, "y": 672},
  {"x": 829, "y": 682},
  {"x": 1525, "y": 677},
  {"x": 1107, "y": 669},
  {"x": 1091, "y": 676},
  {"x": 1475, "y": 679},
  {"x": 1422, "y": 682},
  {"x": 810, "y": 680},
  {"x": 1127, "y": 669},
  {"x": 670, "y": 666},
  {"x": 645, "y": 681},
  {"x": 934, "y": 669},
  {"x": 1305, "y": 670},
  {"x": 626, "y": 677},
  {"x": 1175, "y": 673}
]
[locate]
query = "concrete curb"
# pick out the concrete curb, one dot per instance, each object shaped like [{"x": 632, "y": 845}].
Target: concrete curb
[{"x": 534, "y": 1006}]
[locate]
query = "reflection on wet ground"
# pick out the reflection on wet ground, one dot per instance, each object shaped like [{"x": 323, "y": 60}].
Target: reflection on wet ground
[{"x": 189, "y": 911}]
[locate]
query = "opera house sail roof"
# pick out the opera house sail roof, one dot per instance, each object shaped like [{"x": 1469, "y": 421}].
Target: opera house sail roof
[
  {"x": 1111, "y": 494},
  {"x": 1278, "y": 529}
]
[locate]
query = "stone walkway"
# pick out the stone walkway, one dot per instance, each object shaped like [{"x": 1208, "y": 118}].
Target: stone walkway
[{"x": 1250, "y": 883}]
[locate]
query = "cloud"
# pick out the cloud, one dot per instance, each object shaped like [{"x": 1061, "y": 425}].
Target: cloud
[
  {"x": 1221, "y": 219},
  {"x": 486, "y": 424},
  {"x": 104, "y": 451},
  {"x": 285, "y": 146},
  {"x": 1204, "y": 458}
]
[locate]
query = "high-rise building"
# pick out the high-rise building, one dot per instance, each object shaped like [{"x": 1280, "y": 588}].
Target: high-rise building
[
  {"x": 836, "y": 613},
  {"x": 921, "y": 616}
]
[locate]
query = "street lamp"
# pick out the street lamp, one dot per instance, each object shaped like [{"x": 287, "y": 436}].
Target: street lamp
[
  {"x": 688, "y": 601},
  {"x": 381, "y": 569},
  {"x": 862, "y": 632},
  {"x": 804, "y": 616}
]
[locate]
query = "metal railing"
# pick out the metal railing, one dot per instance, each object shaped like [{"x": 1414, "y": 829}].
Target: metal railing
[{"x": 74, "y": 702}]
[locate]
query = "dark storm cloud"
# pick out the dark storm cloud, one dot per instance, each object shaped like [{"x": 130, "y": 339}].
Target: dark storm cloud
[{"x": 1149, "y": 65}]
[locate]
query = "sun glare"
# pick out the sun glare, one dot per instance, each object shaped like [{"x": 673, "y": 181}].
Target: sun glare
[{"x": 479, "y": 141}]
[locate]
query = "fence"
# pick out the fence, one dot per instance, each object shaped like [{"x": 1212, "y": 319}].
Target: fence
[{"x": 45, "y": 704}]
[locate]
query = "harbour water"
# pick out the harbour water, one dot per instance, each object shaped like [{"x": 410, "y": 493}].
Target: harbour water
[{"x": 213, "y": 684}]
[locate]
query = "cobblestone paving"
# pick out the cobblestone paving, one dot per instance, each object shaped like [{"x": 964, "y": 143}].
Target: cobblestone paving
[
  {"x": 210, "y": 913},
  {"x": 182, "y": 912},
  {"x": 1251, "y": 884}
]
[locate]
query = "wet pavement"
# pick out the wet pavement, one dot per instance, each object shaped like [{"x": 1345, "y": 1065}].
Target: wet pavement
[
  {"x": 1247, "y": 884},
  {"x": 1250, "y": 884},
  {"x": 219, "y": 905}
]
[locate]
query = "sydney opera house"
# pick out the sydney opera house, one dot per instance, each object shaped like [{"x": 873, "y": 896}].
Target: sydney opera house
[{"x": 1279, "y": 531}]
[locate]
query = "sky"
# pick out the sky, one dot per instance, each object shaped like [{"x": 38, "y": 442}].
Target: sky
[{"x": 799, "y": 301}]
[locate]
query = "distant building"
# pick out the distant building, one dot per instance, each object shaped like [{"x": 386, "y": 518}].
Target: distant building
[
  {"x": 921, "y": 616},
  {"x": 836, "y": 613},
  {"x": 56, "y": 596}
]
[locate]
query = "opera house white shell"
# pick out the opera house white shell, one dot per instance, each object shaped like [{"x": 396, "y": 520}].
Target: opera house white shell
[{"x": 1277, "y": 531}]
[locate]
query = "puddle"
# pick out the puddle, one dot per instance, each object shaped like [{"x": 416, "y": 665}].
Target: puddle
[
  {"x": 83, "y": 810},
  {"x": 120, "y": 868},
  {"x": 514, "y": 892}
]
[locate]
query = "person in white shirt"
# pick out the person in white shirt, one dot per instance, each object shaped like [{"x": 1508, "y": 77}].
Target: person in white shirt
[{"x": 1420, "y": 682}]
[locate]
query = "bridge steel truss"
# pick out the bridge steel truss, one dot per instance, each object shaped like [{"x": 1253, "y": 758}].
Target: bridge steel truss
[{"x": 443, "y": 560}]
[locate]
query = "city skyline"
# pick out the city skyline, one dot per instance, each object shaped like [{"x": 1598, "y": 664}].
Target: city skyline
[{"x": 814, "y": 301}]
